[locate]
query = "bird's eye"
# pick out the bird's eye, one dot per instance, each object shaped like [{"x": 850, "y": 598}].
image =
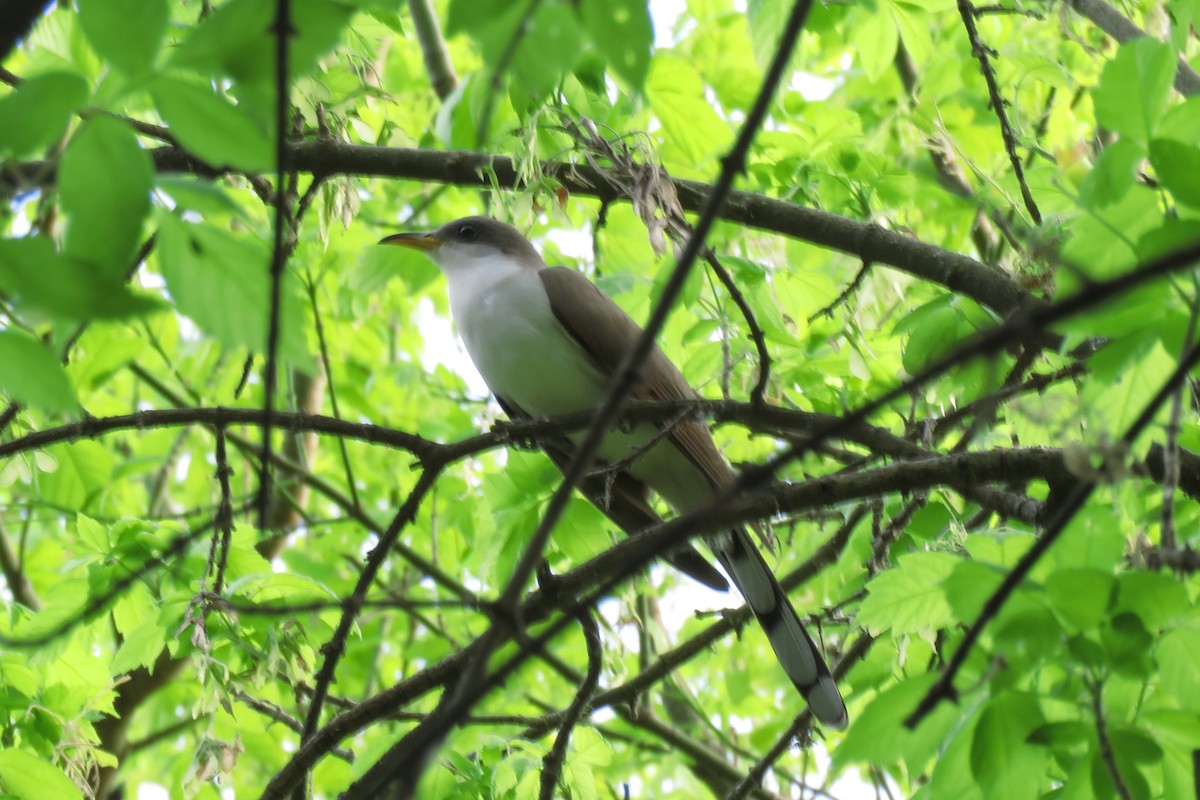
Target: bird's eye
[{"x": 466, "y": 232}]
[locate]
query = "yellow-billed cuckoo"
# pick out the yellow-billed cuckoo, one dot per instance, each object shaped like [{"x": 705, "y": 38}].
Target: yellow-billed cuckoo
[{"x": 546, "y": 342}]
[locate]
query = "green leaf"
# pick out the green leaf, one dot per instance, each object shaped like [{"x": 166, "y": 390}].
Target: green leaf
[
  {"x": 908, "y": 598},
  {"x": 1082, "y": 597},
  {"x": 1121, "y": 402},
  {"x": 203, "y": 196},
  {"x": 92, "y": 534},
  {"x": 1156, "y": 598},
  {"x": 140, "y": 648},
  {"x": 1061, "y": 735},
  {"x": 1134, "y": 88},
  {"x": 63, "y": 287},
  {"x": 937, "y": 327},
  {"x": 677, "y": 98},
  {"x": 548, "y": 50},
  {"x": 878, "y": 734},
  {"x": 582, "y": 533},
  {"x": 1128, "y": 645},
  {"x": 238, "y": 39},
  {"x": 27, "y": 777},
  {"x": 1002, "y": 761},
  {"x": 84, "y": 470},
  {"x": 126, "y": 32},
  {"x": 104, "y": 182},
  {"x": 211, "y": 127},
  {"x": 1093, "y": 538},
  {"x": 1177, "y": 165},
  {"x": 876, "y": 38},
  {"x": 622, "y": 31},
  {"x": 1178, "y": 678},
  {"x": 35, "y": 114},
  {"x": 913, "y": 23},
  {"x": 222, "y": 282},
  {"x": 31, "y": 374},
  {"x": 1113, "y": 175},
  {"x": 767, "y": 19},
  {"x": 969, "y": 587}
]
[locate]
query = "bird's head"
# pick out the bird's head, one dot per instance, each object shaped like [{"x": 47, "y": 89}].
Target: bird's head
[{"x": 470, "y": 242}]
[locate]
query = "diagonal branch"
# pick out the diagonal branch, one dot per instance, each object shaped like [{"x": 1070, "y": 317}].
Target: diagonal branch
[
  {"x": 1117, "y": 25},
  {"x": 980, "y": 51}
]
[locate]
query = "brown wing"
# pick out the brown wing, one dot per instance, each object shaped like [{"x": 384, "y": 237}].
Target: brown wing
[
  {"x": 623, "y": 499},
  {"x": 607, "y": 333}
]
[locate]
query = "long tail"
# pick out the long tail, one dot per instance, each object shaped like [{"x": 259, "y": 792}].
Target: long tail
[{"x": 794, "y": 648}]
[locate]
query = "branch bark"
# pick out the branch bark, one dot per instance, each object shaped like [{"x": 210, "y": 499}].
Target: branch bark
[
  {"x": 1117, "y": 25},
  {"x": 955, "y": 271}
]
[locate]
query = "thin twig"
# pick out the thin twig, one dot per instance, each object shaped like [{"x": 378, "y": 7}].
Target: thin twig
[
  {"x": 1170, "y": 458},
  {"x": 433, "y": 48},
  {"x": 282, "y": 29},
  {"x": 1106, "y": 748},
  {"x": 756, "y": 333},
  {"x": 553, "y": 762},
  {"x": 224, "y": 522},
  {"x": 272, "y": 711},
  {"x": 980, "y": 51},
  {"x": 495, "y": 89},
  {"x": 845, "y": 294}
]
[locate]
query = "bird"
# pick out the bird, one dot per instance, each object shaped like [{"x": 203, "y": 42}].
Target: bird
[{"x": 546, "y": 341}]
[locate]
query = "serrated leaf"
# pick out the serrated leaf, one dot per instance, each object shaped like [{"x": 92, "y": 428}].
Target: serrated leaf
[
  {"x": 908, "y": 598},
  {"x": 1002, "y": 761},
  {"x": 622, "y": 31},
  {"x": 65, "y": 288},
  {"x": 1157, "y": 599},
  {"x": 876, "y": 38},
  {"x": 212, "y": 127},
  {"x": 35, "y": 114},
  {"x": 203, "y": 196},
  {"x": 767, "y": 18},
  {"x": 84, "y": 470},
  {"x": 1134, "y": 88},
  {"x": 589, "y": 747},
  {"x": 30, "y": 373},
  {"x": 221, "y": 281},
  {"x": 104, "y": 182},
  {"x": 878, "y": 734},
  {"x": 237, "y": 39},
  {"x": 1114, "y": 173},
  {"x": 60, "y": 606},
  {"x": 27, "y": 777},
  {"x": 913, "y": 24},
  {"x": 126, "y": 32},
  {"x": 92, "y": 533},
  {"x": 140, "y": 648},
  {"x": 677, "y": 98},
  {"x": 1177, "y": 165},
  {"x": 1081, "y": 597}
]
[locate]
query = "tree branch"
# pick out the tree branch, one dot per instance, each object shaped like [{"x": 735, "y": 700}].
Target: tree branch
[
  {"x": 958, "y": 273},
  {"x": 1117, "y": 25}
]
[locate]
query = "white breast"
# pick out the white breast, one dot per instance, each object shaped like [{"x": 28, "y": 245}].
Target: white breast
[
  {"x": 526, "y": 357},
  {"x": 516, "y": 342}
]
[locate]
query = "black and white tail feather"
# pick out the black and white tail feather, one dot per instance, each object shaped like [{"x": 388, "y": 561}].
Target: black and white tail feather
[{"x": 794, "y": 648}]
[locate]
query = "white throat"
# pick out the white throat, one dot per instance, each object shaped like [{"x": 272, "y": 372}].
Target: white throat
[{"x": 524, "y": 355}]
